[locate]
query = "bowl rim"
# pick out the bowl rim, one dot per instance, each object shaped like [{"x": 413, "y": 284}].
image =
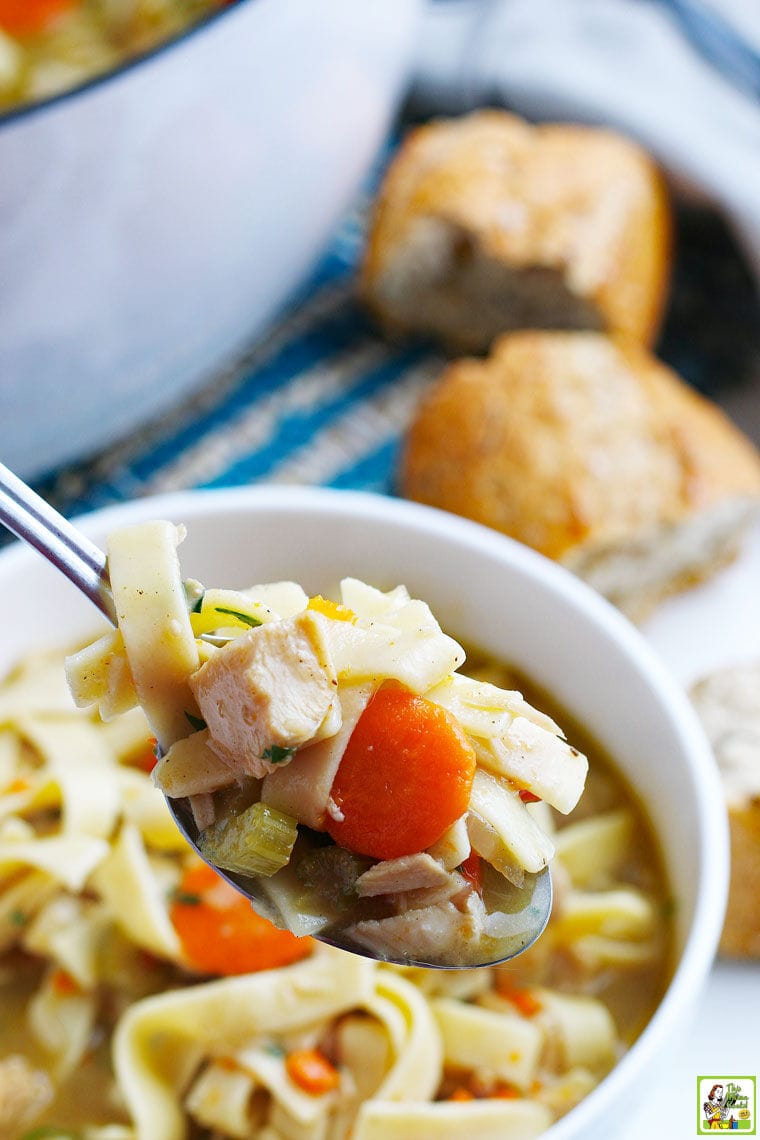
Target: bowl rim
[
  {"x": 17, "y": 112},
  {"x": 691, "y": 969}
]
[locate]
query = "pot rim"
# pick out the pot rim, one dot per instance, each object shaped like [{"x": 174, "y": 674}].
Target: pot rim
[{"x": 21, "y": 111}]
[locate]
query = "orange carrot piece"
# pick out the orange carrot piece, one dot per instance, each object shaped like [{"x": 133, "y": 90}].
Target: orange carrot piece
[
  {"x": 528, "y": 797},
  {"x": 505, "y": 1092},
  {"x": 18, "y": 785},
  {"x": 63, "y": 984},
  {"x": 229, "y": 1064},
  {"x": 405, "y": 776},
  {"x": 220, "y": 932},
  {"x": 330, "y": 609},
  {"x": 31, "y": 17},
  {"x": 146, "y": 759},
  {"x": 472, "y": 871},
  {"x": 312, "y": 1071},
  {"x": 526, "y": 1002},
  {"x": 523, "y": 1000},
  {"x": 461, "y": 1094}
]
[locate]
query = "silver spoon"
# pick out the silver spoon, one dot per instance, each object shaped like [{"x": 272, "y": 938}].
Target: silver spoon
[{"x": 32, "y": 519}]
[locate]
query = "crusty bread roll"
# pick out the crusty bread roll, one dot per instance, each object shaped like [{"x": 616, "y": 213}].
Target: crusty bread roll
[
  {"x": 592, "y": 451},
  {"x": 485, "y": 224},
  {"x": 728, "y": 703}
]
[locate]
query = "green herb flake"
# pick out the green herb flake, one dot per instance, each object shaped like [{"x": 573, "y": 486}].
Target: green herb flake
[
  {"x": 276, "y": 754},
  {"x": 18, "y": 918},
  {"x": 669, "y": 908},
  {"x": 186, "y": 898},
  {"x": 194, "y": 594},
  {"x": 273, "y": 1049},
  {"x": 196, "y": 722},
  {"x": 247, "y": 619}
]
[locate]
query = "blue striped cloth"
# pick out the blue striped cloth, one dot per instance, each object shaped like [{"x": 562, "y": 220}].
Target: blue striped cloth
[
  {"x": 322, "y": 398},
  {"x": 716, "y": 38}
]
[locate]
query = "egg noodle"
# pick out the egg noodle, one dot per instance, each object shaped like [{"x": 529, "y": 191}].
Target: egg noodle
[{"x": 112, "y": 1031}]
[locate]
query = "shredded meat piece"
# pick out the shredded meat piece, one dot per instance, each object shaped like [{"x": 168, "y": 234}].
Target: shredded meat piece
[
  {"x": 407, "y": 873},
  {"x": 24, "y": 1093},
  {"x": 426, "y": 933}
]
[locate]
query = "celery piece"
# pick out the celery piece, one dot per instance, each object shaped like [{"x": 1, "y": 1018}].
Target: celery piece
[
  {"x": 331, "y": 873},
  {"x": 258, "y": 841}
]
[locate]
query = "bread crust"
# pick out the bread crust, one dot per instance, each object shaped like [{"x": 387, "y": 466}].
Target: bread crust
[
  {"x": 728, "y": 703},
  {"x": 577, "y": 444},
  {"x": 579, "y": 214}
]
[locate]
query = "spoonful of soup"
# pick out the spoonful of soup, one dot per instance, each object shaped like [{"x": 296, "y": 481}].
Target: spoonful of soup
[{"x": 326, "y": 755}]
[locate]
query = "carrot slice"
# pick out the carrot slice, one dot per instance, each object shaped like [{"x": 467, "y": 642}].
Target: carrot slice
[
  {"x": 311, "y": 1071},
  {"x": 523, "y": 1000},
  {"x": 18, "y": 785},
  {"x": 472, "y": 871},
  {"x": 147, "y": 758},
  {"x": 505, "y": 1091},
  {"x": 30, "y": 17},
  {"x": 63, "y": 984},
  {"x": 405, "y": 777},
  {"x": 331, "y": 609},
  {"x": 221, "y": 934}
]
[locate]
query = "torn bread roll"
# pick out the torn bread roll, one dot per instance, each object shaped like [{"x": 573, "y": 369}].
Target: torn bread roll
[
  {"x": 593, "y": 452},
  {"x": 486, "y": 223},
  {"x": 728, "y": 704}
]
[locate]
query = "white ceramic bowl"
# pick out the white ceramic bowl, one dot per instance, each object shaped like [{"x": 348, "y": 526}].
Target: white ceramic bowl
[
  {"x": 152, "y": 222},
  {"x": 499, "y": 596}
]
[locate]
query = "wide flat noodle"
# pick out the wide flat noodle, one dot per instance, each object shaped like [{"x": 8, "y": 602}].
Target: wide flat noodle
[
  {"x": 70, "y": 859},
  {"x": 582, "y": 1027},
  {"x": 37, "y": 685},
  {"x": 127, "y": 734},
  {"x": 135, "y": 897},
  {"x": 622, "y": 912},
  {"x": 267, "y": 1068},
  {"x": 62, "y": 1022},
  {"x": 190, "y": 768},
  {"x": 417, "y": 1069},
  {"x": 161, "y": 1040},
  {"x": 471, "y": 1120},
  {"x": 155, "y": 624},
  {"x": 393, "y": 636},
  {"x": 99, "y": 674},
  {"x": 79, "y": 761},
  {"x": 222, "y": 1099},
  {"x": 483, "y": 709},
  {"x": 69, "y": 930},
  {"x": 503, "y": 1044},
  {"x": 592, "y": 850},
  {"x": 143, "y": 805},
  {"x": 10, "y": 756},
  {"x": 20, "y": 901}
]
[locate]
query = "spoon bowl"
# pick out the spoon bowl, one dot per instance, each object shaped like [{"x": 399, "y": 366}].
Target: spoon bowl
[{"x": 276, "y": 898}]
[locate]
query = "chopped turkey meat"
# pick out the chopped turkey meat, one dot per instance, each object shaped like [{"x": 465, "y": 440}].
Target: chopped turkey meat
[
  {"x": 270, "y": 689},
  {"x": 407, "y": 873}
]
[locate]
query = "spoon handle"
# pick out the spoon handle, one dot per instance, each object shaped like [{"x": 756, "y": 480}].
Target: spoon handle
[{"x": 30, "y": 518}]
